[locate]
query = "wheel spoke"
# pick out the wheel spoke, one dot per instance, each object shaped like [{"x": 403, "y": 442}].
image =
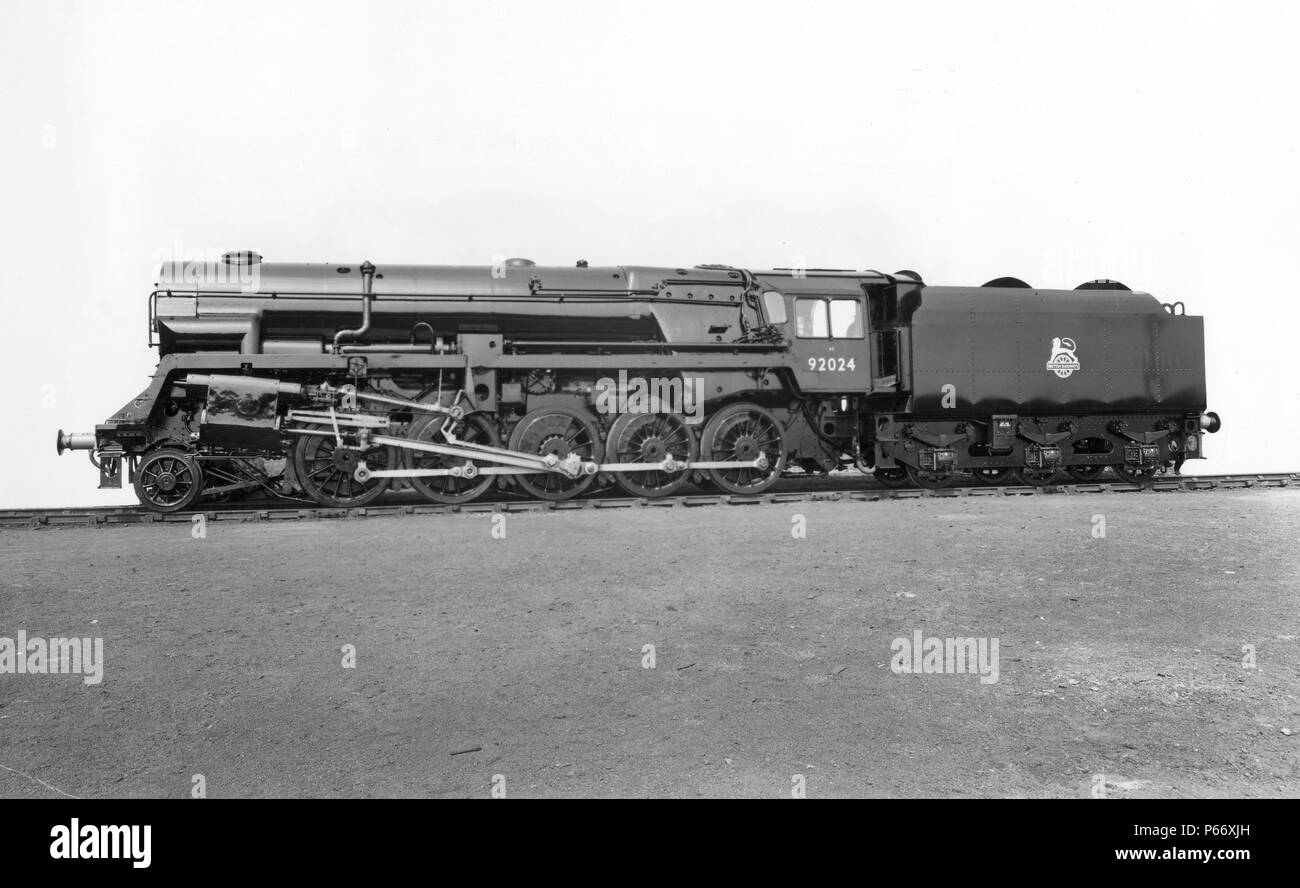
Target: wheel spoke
[{"x": 182, "y": 475}]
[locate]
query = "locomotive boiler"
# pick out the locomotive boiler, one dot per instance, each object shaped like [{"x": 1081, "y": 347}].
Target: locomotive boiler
[{"x": 339, "y": 381}]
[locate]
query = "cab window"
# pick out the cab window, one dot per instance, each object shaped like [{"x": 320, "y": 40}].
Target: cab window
[
  {"x": 774, "y": 305},
  {"x": 810, "y": 318},
  {"x": 846, "y": 319},
  {"x": 828, "y": 318}
]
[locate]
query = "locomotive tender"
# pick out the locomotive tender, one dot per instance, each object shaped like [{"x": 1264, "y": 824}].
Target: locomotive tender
[{"x": 339, "y": 381}]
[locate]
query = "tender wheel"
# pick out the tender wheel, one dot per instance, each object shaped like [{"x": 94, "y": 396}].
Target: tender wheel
[
  {"x": 930, "y": 480},
  {"x": 650, "y": 438},
  {"x": 473, "y": 429},
  {"x": 325, "y": 470},
  {"x": 1037, "y": 477},
  {"x": 1084, "y": 473},
  {"x": 1135, "y": 474},
  {"x": 895, "y": 477},
  {"x": 992, "y": 474},
  {"x": 560, "y": 431},
  {"x": 168, "y": 480},
  {"x": 743, "y": 432}
]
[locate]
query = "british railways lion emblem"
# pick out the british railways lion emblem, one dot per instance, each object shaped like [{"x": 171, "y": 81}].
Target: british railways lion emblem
[{"x": 1063, "y": 362}]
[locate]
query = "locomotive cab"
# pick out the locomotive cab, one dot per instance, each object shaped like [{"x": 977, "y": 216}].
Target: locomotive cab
[{"x": 842, "y": 331}]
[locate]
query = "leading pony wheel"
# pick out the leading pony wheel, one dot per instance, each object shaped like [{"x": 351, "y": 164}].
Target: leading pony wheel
[{"x": 168, "y": 480}]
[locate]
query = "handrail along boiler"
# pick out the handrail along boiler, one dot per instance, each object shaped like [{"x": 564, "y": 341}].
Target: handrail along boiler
[{"x": 341, "y": 381}]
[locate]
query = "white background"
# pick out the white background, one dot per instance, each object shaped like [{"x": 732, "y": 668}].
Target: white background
[{"x": 1057, "y": 142}]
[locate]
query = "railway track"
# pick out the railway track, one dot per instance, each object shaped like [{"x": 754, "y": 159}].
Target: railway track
[{"x": 836, "y": 489}]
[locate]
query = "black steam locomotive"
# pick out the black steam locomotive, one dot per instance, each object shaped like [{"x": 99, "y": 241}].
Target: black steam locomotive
[{"x": 340, "y": 381}]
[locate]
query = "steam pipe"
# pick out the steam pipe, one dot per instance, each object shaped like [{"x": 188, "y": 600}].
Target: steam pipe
[
  {"x": 433, "y": 337},
  {"x": 367, "y": 288}
]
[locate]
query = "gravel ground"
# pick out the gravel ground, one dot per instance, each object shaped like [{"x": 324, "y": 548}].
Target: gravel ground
[{"x": 520, "y": 662}]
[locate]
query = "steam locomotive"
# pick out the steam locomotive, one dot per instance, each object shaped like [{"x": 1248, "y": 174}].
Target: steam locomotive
[{"x": 342, "y": 381}]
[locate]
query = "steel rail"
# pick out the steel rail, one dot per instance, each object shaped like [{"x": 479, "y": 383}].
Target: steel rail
[{"x": 105, "y": 516}]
